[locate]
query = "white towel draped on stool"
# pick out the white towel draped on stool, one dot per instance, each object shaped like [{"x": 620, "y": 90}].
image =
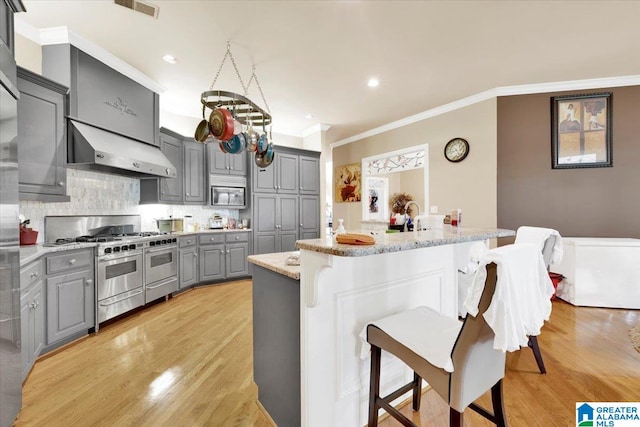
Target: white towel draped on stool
[
  {"x": 522, "y": 300},
  {"x": 538, "y": 235}
]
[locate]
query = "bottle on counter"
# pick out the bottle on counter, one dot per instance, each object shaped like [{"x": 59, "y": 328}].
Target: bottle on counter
[{"x": 456, "y": 217}]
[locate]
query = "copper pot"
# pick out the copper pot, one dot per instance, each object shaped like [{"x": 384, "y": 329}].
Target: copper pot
[{"x": 221, "y": 124}]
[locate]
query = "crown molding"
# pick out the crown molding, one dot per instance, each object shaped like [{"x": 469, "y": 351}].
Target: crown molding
[
  {"x": 63, "y": 35},
  {"x": 320, "y": 127},
  {"x": 606, "y": 82}
]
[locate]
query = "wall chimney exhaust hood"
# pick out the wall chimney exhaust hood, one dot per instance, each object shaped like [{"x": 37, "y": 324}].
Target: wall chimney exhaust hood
[{"x": 95, "y": 149}]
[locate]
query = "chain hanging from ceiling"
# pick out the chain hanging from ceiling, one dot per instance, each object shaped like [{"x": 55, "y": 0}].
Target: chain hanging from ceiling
[{"x": 230, "y": 118}]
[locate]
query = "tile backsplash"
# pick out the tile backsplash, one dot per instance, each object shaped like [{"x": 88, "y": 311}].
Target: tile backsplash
[{"x": 94, "y": 193}]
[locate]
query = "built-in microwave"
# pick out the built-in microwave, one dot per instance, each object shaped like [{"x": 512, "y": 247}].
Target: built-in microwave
[{"x": 228, "y": 191}]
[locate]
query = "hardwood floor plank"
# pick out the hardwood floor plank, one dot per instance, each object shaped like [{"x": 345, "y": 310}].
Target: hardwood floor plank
[{"x": 189, "y": 362}]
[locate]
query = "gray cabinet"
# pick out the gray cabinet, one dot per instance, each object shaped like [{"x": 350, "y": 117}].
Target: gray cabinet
[
  {"x": 211, "y": 254},
  {"x": 188, "y": 261},
  {"x": 309, "y": 175},
  {"x": 224, "y": 163},
  {"x": 280, "y": 177},
  {"x": 275, "y": 224},
  {"x": 309, "y": 217},
  {"x": 237, "y": 250},
  {"x": 31, "y": 314},
  {"x": 42, "y": 142},
  {"x": 223, "y": 255},
  {"x": 194, "y": 189},
  {"x": 69, "y": 294},
  {"x": 171, "y": 188},
  {"x": 166, "y": 190},
  {"x": 286, "y": 204}
]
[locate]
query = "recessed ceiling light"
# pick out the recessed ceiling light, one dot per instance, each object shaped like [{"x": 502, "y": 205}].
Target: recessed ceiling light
[
  {"x": 308, "y": 117},
  {"x": 170, "y": 59},
  {"x": 373, "y": 82}
]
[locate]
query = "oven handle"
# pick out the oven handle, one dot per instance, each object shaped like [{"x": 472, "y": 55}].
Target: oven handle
[
  {"x": 152, "y": 251},
  {"x": 161, "y": 283},
  {"x": 104, "y": 304},
  {"x": 113, "y": 257}
]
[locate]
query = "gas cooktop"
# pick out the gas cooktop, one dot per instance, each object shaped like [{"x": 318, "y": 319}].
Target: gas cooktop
[{"x": 106, "y": 238}]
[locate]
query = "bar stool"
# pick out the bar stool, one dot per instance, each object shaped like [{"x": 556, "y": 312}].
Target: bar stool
[
  {"x": 463, "y": 360},
  {"x": 551, "y": 251},
  {"x": 478, "y": 366}
]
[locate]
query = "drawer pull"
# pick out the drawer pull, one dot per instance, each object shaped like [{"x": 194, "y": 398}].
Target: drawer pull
[
  {"x": 72, "y": 261},
  {"x": 35, "y": 274},
  {"x": 237, "y": 237},
  {"x": 106, "y": 304}
]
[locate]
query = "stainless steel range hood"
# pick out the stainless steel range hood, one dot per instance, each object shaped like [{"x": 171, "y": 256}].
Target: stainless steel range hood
[{"x": 96, "y": 149}]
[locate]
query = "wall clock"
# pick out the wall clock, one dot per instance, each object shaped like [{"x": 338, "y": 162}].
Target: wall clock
[{"x": 456, "y": 150}]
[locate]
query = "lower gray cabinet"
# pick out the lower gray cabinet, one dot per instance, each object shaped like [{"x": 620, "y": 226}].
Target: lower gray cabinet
[
  {"x": 275, "y": 223},
  {"x": 32, "y": 324},
  {"x": 69, "y": 294},
  {"x": 309, "y": 217},
  {"x": 236, "y": 262},
  {"x": 188, "y": 261},
  {"x": 70, "y": 304},
  {"x": 212, "y": 263}
]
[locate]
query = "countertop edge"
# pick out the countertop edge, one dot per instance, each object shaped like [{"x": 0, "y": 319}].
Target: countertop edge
[
  {"x": 396, "y": 244},
  {"x": 276, "y": 263}
]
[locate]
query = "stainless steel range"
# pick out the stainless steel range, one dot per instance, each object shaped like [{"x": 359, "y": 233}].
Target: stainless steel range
[{"x": 133, "y": 267}]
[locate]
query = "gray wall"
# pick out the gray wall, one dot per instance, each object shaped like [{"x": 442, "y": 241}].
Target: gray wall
[{"x": 598, "y": 202}]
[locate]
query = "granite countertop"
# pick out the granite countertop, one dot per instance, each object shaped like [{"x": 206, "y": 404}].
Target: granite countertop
[
  {"x": 33, "y": 252},
  {"x": 395, "y": 242},
  {"x": 211, "y": 230},
  {"x": 30, "y": 253},
  {"x": 277, "y": 262}
]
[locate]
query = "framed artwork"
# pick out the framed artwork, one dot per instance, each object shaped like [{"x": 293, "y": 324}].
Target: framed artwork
[
  {"x": 348, "y": 183},
  {"x": 378, "y": 202},
  {"x": 581, "y": 131}
]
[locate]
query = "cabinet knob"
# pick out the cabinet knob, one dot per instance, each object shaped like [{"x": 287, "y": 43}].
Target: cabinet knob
[
  {"x": 35, "y": 274},
  {"x": 195, "y": 255},
  {"x": 168, "y": 171},
  {"x": 188, "y": 242},
  {"x": 187, "y": 194},
  {"x": 32, "y": 306},
  {"x": 72, "y": 261},
  {"x": 89, "y": 282},
  {"x": 228, "y": 252},
  {"x": 237, "y": 237},
  {"x": 60, "y": 183},
  {"x": 301, "y": 225},
  {"x": 212, "y": 238},
  {"x": 301, "y": 188}
]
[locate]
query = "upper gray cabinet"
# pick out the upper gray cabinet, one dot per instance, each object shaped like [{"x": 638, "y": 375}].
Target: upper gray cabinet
[
  {"x": 194, "y": 190},
  {"x": 309, "y": 175},
  {"x": 166, "y": 190},
  {"x": 42, "y": 141},
  {"x": 279, "y": 177},
  {"x": 102, "y": 96},
  {"x": 224, "y": 163},
  {"x": 292, "y": 172}
]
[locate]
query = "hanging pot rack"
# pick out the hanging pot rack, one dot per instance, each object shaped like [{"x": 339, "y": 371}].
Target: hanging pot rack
[
  {"x": 245, "y": 110},
  {"x": 232, "y": 108}
]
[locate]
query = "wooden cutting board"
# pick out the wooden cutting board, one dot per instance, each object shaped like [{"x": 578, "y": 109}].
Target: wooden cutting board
[{"x": 355, "y": 239}]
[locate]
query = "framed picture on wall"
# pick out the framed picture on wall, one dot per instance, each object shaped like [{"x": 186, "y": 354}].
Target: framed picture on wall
[{"x": 581, "y": 131}]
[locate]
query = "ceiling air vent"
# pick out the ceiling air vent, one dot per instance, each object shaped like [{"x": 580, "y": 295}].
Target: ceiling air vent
[{"x": 139, "y": 6}]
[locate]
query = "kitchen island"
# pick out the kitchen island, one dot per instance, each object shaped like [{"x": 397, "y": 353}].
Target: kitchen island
[{"x": 342, "y": 288}]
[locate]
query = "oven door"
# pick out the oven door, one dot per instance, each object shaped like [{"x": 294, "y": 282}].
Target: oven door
[
  {"x": 118, "y": 274},
  {"x": 160, "y": 263}
]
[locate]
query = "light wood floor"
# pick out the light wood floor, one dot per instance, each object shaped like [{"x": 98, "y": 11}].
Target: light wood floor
[{"x": 188, "y": 362}]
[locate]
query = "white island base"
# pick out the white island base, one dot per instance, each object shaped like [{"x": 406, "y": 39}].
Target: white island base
[{"x": 339, "y": 296}]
